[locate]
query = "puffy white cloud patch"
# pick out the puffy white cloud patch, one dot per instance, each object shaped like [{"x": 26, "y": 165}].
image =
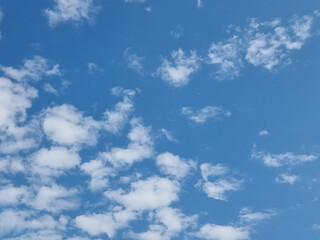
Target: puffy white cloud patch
[
  {"x": 54, "y": 161},
  {"x": 71, "y": 11},
  {"x": 174, "y": 166},
  {"x": 114, "y": 120},
  {"x": 177, "y": 73},
  {"x": 219, "y": 232},
  {"x": 149, "y": 194},
  {"x": 219, "y": 185},
  {"x": 33, "y": 69},
  {"x": 106, "y": 223},
  {"x": 55, "y": 198},
  {"x": 208, "y": 169},
  {"x": 16, "y": 221},
  {"x": 99, "y": 174},
  {"x": 67, "y": 126},
  {"x": 167, "y": 223},
  {"x": 139, "y": 148},
  {"x": 10, "y": 195},
  {"x": 247, "y": 216}
]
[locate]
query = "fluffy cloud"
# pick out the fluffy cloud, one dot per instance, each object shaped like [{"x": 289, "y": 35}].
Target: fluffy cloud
[
  {"x": 33, "y": 69},
  {"x": 71, "y": 11},
  {"x": 208, "y": 169},
  {"x": 54, "y": 161},
  {"x": 15, "y": 221},
  {"x": 177, "y": 73},
  {"x": 283, "y": 159},
  {"x": 248, "y": 217},
  {"x": 226, "y": 56},
  {"x": 167, "y": 223},
  {"x": 99, "y": 174},
  {"x": 105, "y": 223},
  {"x": 114, "y": 120},
  {"x": 139, "y": 148},
  {"x": 218, "y": 232},
  {"x": 67, "y": 126},
  {"x": 174, "y": 165},
  {"x": 10, "y": 195},
  {"x": 55, "y": 198},
  {"x": 149, "y": 194},
  {"x": 202, "y": 115},
  {"x": 220, "y": 187}
]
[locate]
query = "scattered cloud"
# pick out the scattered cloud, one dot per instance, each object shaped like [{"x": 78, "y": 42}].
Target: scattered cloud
[
  {"x": 168, "y": 135},
  {"x": 48, "y": 88},
  {"x": 114, "y": 120},
  {"x": 134, "y": 1},
  {"x": 219, "y": 232},
  {"x": 174, "y": 166},
  {"x": 208, "y": 170},
  {"x": 226, "y": 56},
  {"x": 287, "y": 178},
  {"x": 71, "y": 11},
  {"x": 177, "y": 73},
  {"x": 264, "y": 133},
  {"x": 282, "y": 159},
  {"x": 133, "y": 61},
  {"x": 200, "y": 116},
  {"x": 65, "y": 125},
  {"x": 149, "y": 194},
  {"x": 93, "y": 67}
]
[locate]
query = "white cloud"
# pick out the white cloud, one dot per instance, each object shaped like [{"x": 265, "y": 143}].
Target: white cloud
[
  {"x": 208, "y": 169},
  {"x": 202, "y": 115},
  {"x": 114, "y": 120},
  {"x": 226, "y": 55},
  {"x": 93, "y": 67},
  {"x": 133, "y": 61},
  {"x": 264, "y": 133},
  {"x": 282, "y": 159},
  {"x": 287, "y": 178},
  {"x": 149, "y": 194},
  {"x": 270, "y": 43},
  {"x": 167, "y": 224},
  {"x": 16, "y": 221},
  {"x": 33, "y": 69},
  {"x": 174, "y": 165},
  {"x": 10, "y": 195},
  {"x": 177, "y": 73},
  {"x": 48, "y": 88},
  {"x": 168, "y": 135},
  {"x": 247, "y": 216},
  {"x": 316, "y": 227},
  {"x": 139, "y": 148},
  {"x": 105, "y": 223},
  {"x": 54, "y": 161},
  {"x": 219, "y": 232},
  {"x": 11, "y": 165},
  {"x": 67, "y": 126},
  {"x": 99, "y": 174},
  {"x": 55, "y": 198},
  {"x": 219, "y": 188},
  {"x": 71, "y": 11}
]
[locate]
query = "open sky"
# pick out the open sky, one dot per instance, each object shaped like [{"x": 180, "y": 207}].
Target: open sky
[{"x": 159, "y": 120}]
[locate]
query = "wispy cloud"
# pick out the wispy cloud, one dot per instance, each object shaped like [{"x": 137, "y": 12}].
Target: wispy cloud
[{"x": 200, "y": 116}]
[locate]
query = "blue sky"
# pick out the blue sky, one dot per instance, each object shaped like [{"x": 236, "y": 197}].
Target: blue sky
[{"x": 159, "y": 120}]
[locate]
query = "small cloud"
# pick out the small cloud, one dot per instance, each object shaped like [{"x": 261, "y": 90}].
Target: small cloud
[
  {"x": 287, "y": 178},
  {"x": 71, "y": 11},
  {"x": 48, "y": 88},
  {"x": 133, "y": 61},
  {"x": 264, "y": 133},
  {"x": 200, "y": 116},
  {"x": 316, "y": 227},
  {"x": 93, "y": 67},
  {"x": 148, "y": 9},
  {"x": 168, "y": 135},
  {"x": 177, "y": 73}
]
